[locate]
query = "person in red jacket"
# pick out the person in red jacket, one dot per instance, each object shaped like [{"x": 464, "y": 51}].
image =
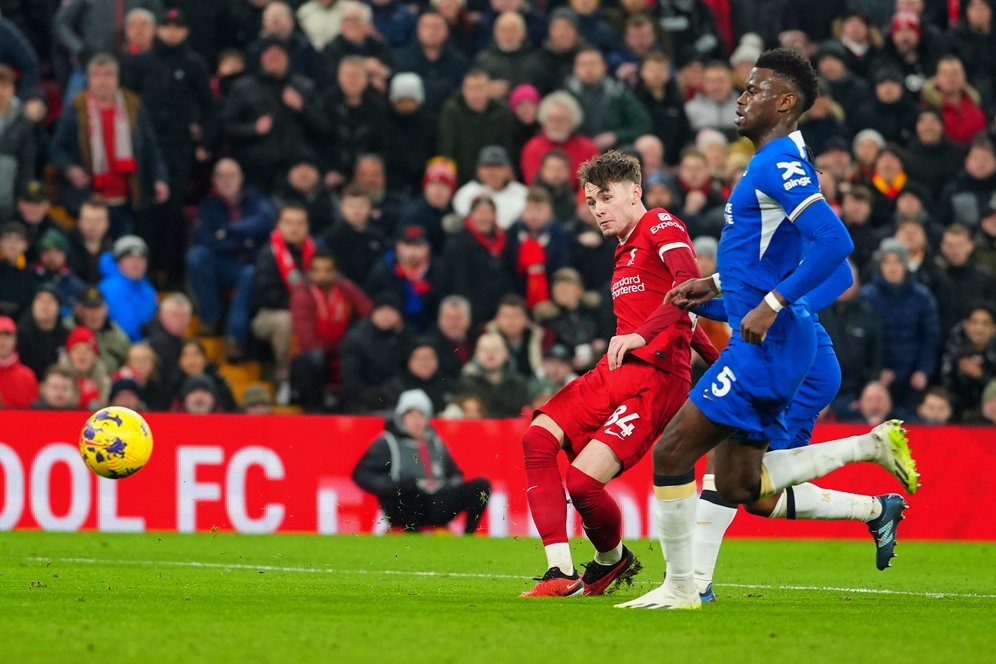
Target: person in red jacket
[
  {"x": 560, "y": 115},
  {"x": 18, "y": 385},
  {"x": 322, "y": 309},
  {"x": 958, "y": 102}
]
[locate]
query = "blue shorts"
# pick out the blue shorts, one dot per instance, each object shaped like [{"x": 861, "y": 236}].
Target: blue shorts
[
  {"x": 750, "y": 386},
  {"x": 818, "y": 389}
]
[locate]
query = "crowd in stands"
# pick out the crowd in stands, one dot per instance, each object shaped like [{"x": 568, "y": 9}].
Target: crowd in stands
[{"x": 375, "y": 197}]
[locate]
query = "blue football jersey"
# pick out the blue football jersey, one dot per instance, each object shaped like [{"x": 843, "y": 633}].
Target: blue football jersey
[{"x": 759, "y": 245}]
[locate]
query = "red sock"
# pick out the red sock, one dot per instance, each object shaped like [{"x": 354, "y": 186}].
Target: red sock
[
  {"x": 544, "y": 487},
  {"x": 599, "y": 512}
]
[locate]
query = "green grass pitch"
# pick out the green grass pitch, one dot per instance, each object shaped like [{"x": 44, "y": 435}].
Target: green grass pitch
[{"x": 92, "y": 597}]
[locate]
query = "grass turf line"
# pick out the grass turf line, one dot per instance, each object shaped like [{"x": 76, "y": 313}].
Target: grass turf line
[{"x": 142, "y": 609}]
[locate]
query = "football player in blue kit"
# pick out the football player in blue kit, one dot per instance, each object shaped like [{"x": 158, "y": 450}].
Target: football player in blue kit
[
  {"x": 805, "y": 501},
  {"x": 780, "y": 241}
]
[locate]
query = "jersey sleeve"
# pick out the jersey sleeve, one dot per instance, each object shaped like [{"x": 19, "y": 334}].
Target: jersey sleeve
[
  {"x": 667, "y": 234},
  {"x": 791, "y": 182}
]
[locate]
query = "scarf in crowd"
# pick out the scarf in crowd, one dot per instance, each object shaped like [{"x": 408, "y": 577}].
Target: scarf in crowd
[
  {"x": 532, "y": 265},
  {"x": 495, "y": 245},
  {"x": 289, "y": 272},
  {"x": 415, "y": 277},
  {"x": 332, "y": 313},
  {"x": 889, "y": 189},
  {"x": 122, "y": 158}
]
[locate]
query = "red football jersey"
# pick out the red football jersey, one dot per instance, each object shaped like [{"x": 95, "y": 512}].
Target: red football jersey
[{"x": 655, "y": 257}]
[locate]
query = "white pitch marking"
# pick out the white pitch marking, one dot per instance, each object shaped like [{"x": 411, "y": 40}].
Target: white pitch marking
[{"x": 478, "y": 575}]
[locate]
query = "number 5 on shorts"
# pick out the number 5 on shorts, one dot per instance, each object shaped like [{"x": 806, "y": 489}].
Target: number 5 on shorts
[
  {"x": 724, "y": 382},
  {"x": 625, "y": 428}
]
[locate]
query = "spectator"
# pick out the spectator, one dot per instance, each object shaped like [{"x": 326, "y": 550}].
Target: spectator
[
  {"x": 411, "y": 131},
  {"x": 489, "y": 376},
  {"x": 715, "y": 106},
  {"x": 593, "y": 28},
  {"x": 659, "y": 93},
  {"x": 167, "y": 333},
  {"x": 131, "y": 299},
  {"x": 140, "y": 31},
  {"x": 320, "y": 21},
  {"x": 89, "y": 240},
  {"x": 930, "y": 272},
  {"x": 356, "y": 244},
  {"x": 195, "y": 366},
  {"x": 373, "y": 353},
  {"x": 560, "y": 118},
  {"x": 874, "y": 406},
  {"x": 51, "y": 269},
  {"x": 974, "y": 40},
  {"x": 478, "y": 261},
  {"x": 41, "y": 332},
  {"x": 454, "y": 346},
  {"x": 692, "y": 29},
  {"x": 436, "y": 60},
  {"x": 866, "y": 145},
  {"x": 81, "y": 358},
  {"x": 910, "y": 327},
  {"x": 969, "y": 360},
  {"x": 846, "y": 87},
  {"x": 471, "y": 120},
  {"x": 611, "y": 114},
  {"x": 126, "y": 393},
  {"x": 496, "y": 180},
  {"x": 197, "y": 396},
  {"x": 412, "y": 275},
  {"x": 57, "y": 390},
  {"x": 575, "y": 320},
  {"x": 524, "y": 102},
  {"x": 862, "y": 41},
  {"x": 17, "y": 54},
  {"x": 465, "y": 407},
  {"x": 986, "y": 413},
  {"x": 256, "y": 400},
  {"x": 90, "y": 310},
  {"x": 538, "y": 246},
  {"x": 535, "y": 20},
  {"x": 985, "y": 243},
  {"x": 971, "y": 283},
  {"x": 303, "y": 185},
  {"x": 278, "y": 23},
  {"x": 33, "y": 212},
  {"x": 465, "y": 33},
  {"x": 144, "y": 367},
  {"x": 357, "y": 37},
  {"x": 891, "y": 112},
  {"x": 824, "y": 122},
  {"x": 269, "y": 115},
  {"x": 17, "y": 283},
  {"x": 935, "y": 408},
  {"x": 553, "y": 62},
  {"x": 506, "y": 59},
  {"x": 640, "y": 40},
  {"x": 887, "y": 182},
  {"x": 393, "y": 21},
  {"x": 958, "y": 102},
  {"x": 421, "y": 372},
  {"x": 856, "y": 213},
  {"x": 967, "y": 196},
  {"x": 912, "y": 50},
  {"x": 322, "y": 310},
  {"x": 836, "y": 161},
  {"x": 174, "y": 85},
  {"x": 556, "y": 177},
  {"x": 415, "y": 479},
  {"x": 557, "y": 372},
  {"x": 932, "y": 158},
  {"x": 17, "y": 145},
  {"x": 232, "y": 224},
  {"x": 18, "y": 384},
  {"x": 357, "y": 119},
  {"x": 279, "y": 268},
  {"x": 703, "y": 200},
  {"x": 432, "y": 208},
  {"x": 105, "y": 145},
  {"x": 524, "y": 339},
  {"x": 387, "y": 206},
  {"x": 856, "y": 330}
]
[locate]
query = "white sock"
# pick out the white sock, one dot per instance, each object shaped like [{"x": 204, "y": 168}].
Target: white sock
[
  {"x": 559, "y": 555},
  {"x": 675, "y": 525},
  {"x": 609, "y": 557},
  {"x": 711, "y": 522},
  {"x": 815, "y": 503},
  {"x": 785, "y": 468}
]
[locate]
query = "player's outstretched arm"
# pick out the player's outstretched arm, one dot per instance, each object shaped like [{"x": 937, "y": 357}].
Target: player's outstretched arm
[
  {"x": 714, "y": 309},
  {"x": 827, "y": 293},
  {"x": 692, "y": 293}
]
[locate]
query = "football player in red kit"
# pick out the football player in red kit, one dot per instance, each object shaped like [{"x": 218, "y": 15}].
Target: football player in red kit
[{"x": 607, "y": 419}]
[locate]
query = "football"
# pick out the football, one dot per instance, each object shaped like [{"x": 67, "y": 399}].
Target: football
[{"x": 115, "y": 442}]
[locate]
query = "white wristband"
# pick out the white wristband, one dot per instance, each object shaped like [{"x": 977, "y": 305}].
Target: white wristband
[
  {"x": 715, "y": 280},
  {"x": 773, "y": 302}
]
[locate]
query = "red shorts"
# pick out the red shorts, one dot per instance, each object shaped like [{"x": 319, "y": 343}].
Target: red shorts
[{"x": 627, "y": 409}]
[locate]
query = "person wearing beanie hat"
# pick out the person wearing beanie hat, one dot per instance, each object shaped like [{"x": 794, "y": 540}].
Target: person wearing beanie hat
[
  {"x": 51, "y": 269},
  {"x": 131, "y": 299},
  {"x": 433, "y": 207},
  {"x": 891, "y": 110},
  {"x": 82, "y": 359},
  {"x": 411, "y": 132},
  {"x": 256, "y": 400},
  {"x": 126, "y": 392},
  {"x": 866, "y": 145},
  {"x": 18, "y": 384},
  {"x": 911, "y": 331},
  {"x": 198, "y": 395},
  {"x": 42, "y": 332},
  {"x": 744, "y": 56},
  {"x": 413, "y": 475},
  {"x": 407, "y": 86},
  {"x": 495, "y": 179}
]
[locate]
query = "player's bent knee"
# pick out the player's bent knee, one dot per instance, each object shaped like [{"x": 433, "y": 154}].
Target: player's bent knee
[
  {"x": 735, "y": 492},
  {"x": 539, "y": 446},
  {"x": 581, "y": 487},
  {"x": 763, "y": 507}
]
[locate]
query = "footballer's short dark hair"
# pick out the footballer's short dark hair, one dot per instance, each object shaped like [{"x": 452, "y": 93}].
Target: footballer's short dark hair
[
  {"x": 796, "y": 69},
  {"x": 605, "y": 170}
]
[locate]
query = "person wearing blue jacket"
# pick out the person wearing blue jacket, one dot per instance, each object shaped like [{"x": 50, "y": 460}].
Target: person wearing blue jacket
[
  {"x": 232, "y": 223},
  {"x": 131, "y": 299},
  {"x": 911, "y": 332}
]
